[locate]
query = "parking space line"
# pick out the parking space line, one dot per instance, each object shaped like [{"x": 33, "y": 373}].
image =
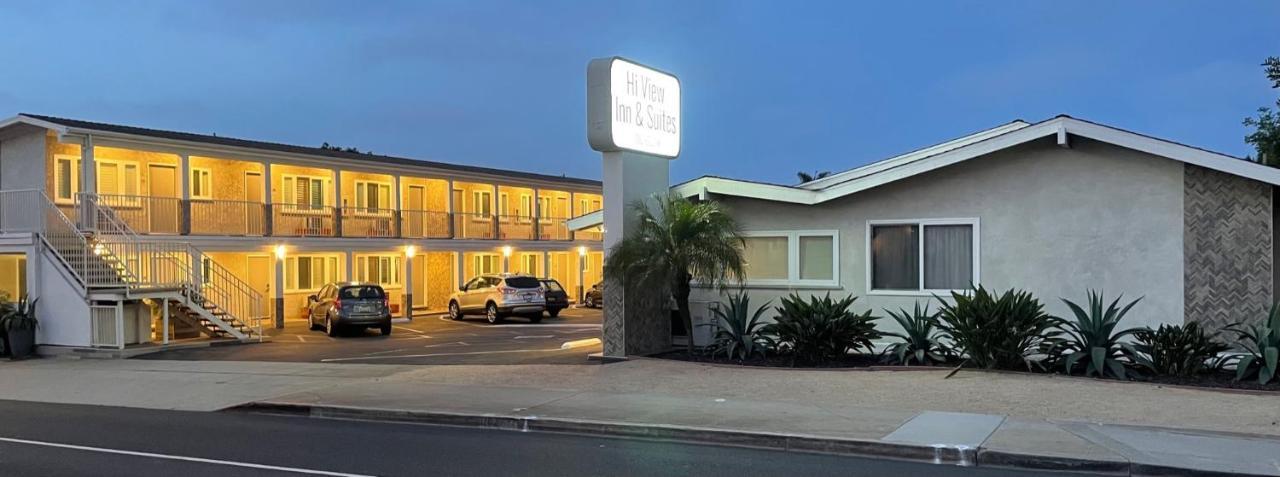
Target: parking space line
[
  {"x": 179, "y": 458},
  {"x": 431, "y": 355},
  {"x": 408, "y": 329},
  {"x": 299, "y": 337},
  {"x": 530, "y": 337}
]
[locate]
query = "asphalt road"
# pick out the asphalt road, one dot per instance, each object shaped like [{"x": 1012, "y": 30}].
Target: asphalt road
[
  {"x": 433, "y": 339},
  {"x": 70, "y": 440}
]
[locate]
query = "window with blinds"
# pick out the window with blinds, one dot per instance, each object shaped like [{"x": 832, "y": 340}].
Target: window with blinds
[
  {"x": 305, "y": 192},
  {"x": 66, "y": 180}
]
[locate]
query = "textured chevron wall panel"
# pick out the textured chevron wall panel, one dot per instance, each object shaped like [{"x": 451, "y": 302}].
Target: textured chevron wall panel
[{"x": 1228, "y": 247}]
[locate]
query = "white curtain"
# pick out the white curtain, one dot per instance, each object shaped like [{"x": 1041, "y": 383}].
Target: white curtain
[{"x": 948, "y": 256}]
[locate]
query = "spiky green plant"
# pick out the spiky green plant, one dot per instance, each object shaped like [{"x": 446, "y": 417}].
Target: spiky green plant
[
  {"x": 20, "y": 315},
  {"x": 1091, "y": 342},
  {"x": 739, "y": 330},
  {"x": 1178, "y": 350},
  {"x": 819, "y": 330},
  {"x": 921, "y": 338},
  {"x": 1261, "y": 343},
  {"x": 996, "y": 332}
]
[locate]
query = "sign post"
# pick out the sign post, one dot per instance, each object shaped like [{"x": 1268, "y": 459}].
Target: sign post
[{"x": 633, "y": 119}]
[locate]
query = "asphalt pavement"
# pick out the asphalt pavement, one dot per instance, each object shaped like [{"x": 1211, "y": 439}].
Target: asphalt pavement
[
  {"x": 428, "y": 339},
  {"x": 74, "y": 440}
]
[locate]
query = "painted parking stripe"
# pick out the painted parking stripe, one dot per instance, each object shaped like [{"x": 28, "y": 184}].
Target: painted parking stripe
[
  {"x": 432, "y": 355},
  {"x": 201, "y": 460},
  {"x": 531, "y": 337},
  {"x": 524, "y": 325},
  {"x": 408, "y": 329}
]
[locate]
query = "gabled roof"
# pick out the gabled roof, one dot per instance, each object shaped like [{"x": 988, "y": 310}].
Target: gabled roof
[
  {"x": 64, "y": 124},
  {"x": 969, "y": 147}
]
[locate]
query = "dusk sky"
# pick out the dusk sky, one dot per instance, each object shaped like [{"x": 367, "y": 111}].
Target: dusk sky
[{"x": 768, "y": 88}]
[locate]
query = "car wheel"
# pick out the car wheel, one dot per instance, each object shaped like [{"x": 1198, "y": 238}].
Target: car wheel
[
  {"x": 535, "y": 318},
  {"x": 589, "y": 302},
  {"x": 386, "y": 329},
  {"x": 455, "y": 312},
  {"x": 554, "y": 312},
  {"x": 491, "y": 313},
  {"x": 330, "y": 328},
  {"x": 311, "y": 323}
]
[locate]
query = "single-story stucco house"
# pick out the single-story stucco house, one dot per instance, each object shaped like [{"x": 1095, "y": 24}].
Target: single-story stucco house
[{"x": 1056, "y": 207}]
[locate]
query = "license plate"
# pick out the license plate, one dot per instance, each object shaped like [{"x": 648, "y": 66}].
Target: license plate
[
  {"x": 364, "y": 308},
  {"x": 528, "y": 296}
]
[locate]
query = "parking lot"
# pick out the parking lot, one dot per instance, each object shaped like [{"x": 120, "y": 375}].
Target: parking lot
[{"x": 428, "y": 339}]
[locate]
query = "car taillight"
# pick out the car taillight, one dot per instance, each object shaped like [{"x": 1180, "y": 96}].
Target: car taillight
[
  {"x": 337, "y": 303},
  {"x": 386, "y": 302},
  {"x": 507, "y": 290}
]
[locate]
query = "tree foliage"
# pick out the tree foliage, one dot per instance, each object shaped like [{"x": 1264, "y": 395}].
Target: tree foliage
[
  {"x": 807, "y": 177},
  {"x": 675, "y": 242},
  {"x": 1265, "y": 137}
]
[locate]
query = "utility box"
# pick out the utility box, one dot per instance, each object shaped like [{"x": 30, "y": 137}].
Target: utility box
[{"x": 704, "y": 324}]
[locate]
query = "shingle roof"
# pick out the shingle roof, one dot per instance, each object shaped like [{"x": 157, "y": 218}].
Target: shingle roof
[{"x": 294, "y": 149}]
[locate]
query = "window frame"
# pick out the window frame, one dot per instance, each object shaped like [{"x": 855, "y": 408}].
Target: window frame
[
  {"x": 291, "y": 277},
  {"x": 392, "y": 269},
  {"x": 481, "y": 257},
  {"x": 288, "y": 199},
  {"x": 362, "y": 198},
  {"x": 793, "y": 259},
  {"x": 201, "y": 178},
  {"x": 478, "y": 213},
  {"x": 921, "y": 224},
  {"x": 75, "y": 177}
]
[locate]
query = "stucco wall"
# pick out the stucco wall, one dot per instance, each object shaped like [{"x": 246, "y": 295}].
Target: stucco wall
[
  {"x": 21, "y": 166},
  {"x": 1054, "y": 221},
  {"x": 1229, "y": 248}
]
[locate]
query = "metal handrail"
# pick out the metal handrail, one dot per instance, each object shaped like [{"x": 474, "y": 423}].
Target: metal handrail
[{"x": 172, "y": 264}]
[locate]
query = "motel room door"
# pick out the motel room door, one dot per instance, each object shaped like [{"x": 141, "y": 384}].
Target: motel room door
[
  {"x": 254, "y": 212},
  {"x": 260, "y": 278},
  {"x": 164, "y": 206},
  {"x": 413, "y": 203}
]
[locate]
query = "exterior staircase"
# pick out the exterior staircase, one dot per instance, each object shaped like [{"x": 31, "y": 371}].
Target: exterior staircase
[{"x": 111, "y": 264}]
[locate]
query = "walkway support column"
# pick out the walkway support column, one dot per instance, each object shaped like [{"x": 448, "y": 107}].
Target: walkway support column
[
  {"x": 88, "y": 185},
  {"x": 409, "y": 252},
  {"x": 277, "y": 290},
  {"x": 184, "y": 168}
]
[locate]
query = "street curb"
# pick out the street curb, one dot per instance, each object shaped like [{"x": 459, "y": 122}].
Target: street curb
[{"x": 763, "y": 440}]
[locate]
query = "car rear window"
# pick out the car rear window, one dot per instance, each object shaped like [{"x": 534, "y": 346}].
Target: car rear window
[
  {"x": 523, "y": 282},
  {"x": 552, "y": 285},
  {"x": 362, "y": 292}
]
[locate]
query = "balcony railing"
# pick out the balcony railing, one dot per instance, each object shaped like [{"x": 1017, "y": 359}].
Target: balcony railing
[
  {"x": 424, "y": 224},
  {"x": 303, "y": 220},
  {"x": 516, "y": 227},
  {"x": 228, "y": 217},
  {"x": 553, "y": 228},
  {"x": 171, "y": 215},
  {"x": 369, "y": 222},
  {"x": 468, "y": 225}
]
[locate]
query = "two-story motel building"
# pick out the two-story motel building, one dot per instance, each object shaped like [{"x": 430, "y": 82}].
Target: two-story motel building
[{"x": 133, "y": 235}]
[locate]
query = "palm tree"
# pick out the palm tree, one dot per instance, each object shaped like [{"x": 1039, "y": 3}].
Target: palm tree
[
  {"x": 675, "y": 242},
  {"x": 807, "y": 177}
]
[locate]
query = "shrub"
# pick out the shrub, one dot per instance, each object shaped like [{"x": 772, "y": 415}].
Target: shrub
[
  {"x": 921, "y": 338},
  {"x": 1178, "y": 350},
  {"x": 991, "y": 332},
  {"x": 738, "y": 330},
  {"x": 1091, "y": 341},
  {"x": 1261, "y": 343},
  {"x": 817, "y": 331}
]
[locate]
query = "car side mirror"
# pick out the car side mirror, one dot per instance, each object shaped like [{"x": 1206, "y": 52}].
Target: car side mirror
[
  {"x": 313, "y": 298},
  {"x": 462, "y": 288}
]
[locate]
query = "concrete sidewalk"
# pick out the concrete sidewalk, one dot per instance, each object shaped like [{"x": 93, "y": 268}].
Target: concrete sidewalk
[{"x": 984, "y": 419}]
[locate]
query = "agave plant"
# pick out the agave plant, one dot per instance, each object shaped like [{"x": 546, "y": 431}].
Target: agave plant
[
  {"x": 1261, "y": 342},
  {"x": 1178, "y": 350},
  {"x": 1091, "y": 341},
  {"x": 739, "y": 330},
  {"x": 819, "y": 330},
  {"x": 1004, "y": 332},
  {"x": 921, "y": 338}
]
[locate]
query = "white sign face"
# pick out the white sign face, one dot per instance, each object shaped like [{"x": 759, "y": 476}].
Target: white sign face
[{"x": 640, "y": 111}]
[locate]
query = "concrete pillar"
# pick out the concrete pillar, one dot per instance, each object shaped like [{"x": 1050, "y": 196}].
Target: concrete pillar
[
  {"x": 349, "y": 268},
  {"x": 408, "y": 286},
  {"x": 634, "y": 318},
  {"x": 88, "y": 184},
  {"x": 268, "y": 215},
  {"x": 460, "y": 269},
  {"x": 184, "y": 207},
  {"x": 582, "y": 273},
  {"x": 277, "y": 290},
  {"x": 546, "y": 264},
  {"x": 339, "y": 203},
  {"x": 453, "y": 218},
  {"x": 537, "y": 216},
  {"x": 397, "y": 217},
  {"x": 493, "y": 212}
]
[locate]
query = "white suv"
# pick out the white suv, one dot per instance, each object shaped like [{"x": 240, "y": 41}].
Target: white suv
[{"x": 498, "y": 296}]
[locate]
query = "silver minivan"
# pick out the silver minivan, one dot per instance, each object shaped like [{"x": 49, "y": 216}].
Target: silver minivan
[{"x": 498, "y": 296}]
